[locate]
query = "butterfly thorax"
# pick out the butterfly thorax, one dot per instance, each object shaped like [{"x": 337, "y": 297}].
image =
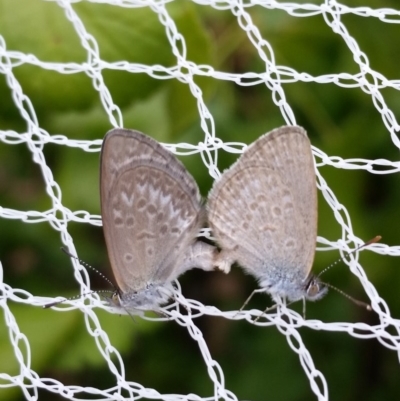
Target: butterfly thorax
[
  {"x": 293, "y": 288},
  {"x": 148, "y": 298}
]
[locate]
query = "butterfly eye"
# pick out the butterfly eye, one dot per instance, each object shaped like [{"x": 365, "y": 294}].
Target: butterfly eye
[{"x": 315, "y": 290}]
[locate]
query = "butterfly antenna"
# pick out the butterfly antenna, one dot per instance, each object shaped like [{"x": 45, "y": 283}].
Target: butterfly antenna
[
  {"x": 46, "y": 306},
  {"x": 354, "y": 300},
  {"x": 67, "y": 252},
  {"x": 343, "y": 258},
  {"x": 49, "y": 305}
]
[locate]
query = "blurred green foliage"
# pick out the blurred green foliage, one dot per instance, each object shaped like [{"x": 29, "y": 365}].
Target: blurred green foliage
[{"x": 258, "y": 363}]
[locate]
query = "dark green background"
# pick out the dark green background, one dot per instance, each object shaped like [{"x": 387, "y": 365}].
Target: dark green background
[{"x": 257, "y": 362}]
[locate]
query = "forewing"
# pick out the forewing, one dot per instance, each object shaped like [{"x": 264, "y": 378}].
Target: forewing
[
  {"x": 150, "y": 208},
  {"x": 264, "y": 208}
]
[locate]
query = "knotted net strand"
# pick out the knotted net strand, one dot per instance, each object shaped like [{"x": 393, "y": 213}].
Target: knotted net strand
[{"x": 285, "y": 319}]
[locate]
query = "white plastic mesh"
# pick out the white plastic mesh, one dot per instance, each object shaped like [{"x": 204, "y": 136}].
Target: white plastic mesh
[{"x": 273, "y": 80}]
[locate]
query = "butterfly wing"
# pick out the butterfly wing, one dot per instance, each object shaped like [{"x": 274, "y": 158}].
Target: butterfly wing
[
  {"x": 263, "y": 210},
  {"x": 150, "y": 207}
]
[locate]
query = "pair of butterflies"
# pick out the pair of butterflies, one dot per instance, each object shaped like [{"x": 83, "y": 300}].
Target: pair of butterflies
[{"x": 262, "y": 212}]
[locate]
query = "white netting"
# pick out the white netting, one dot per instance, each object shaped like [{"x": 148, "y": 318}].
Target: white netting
[{"x": 274, "y": 79}]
